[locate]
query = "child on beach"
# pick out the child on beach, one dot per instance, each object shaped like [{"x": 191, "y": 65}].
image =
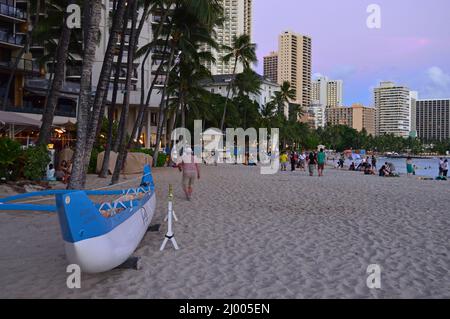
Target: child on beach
[
  {"x": 190, "y": 170},
  {"x": 284, "y": 161}
]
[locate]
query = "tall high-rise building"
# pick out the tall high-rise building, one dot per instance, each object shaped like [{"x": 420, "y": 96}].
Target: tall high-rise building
[
  {"x": 357, "y": 116},
  {"x": 334, "y": 93},
  {"x": 328, "y": 93},
  {"x": 433, "y": 119},
  {"x": 319, "y": 92},
  {"x": 317, "y": 114},
  {"x": 393, "y": 105},
  {"x": 294, "y": 65},
  {"x": 237, "y": 21},
  {"x": 271, "y": 67}
]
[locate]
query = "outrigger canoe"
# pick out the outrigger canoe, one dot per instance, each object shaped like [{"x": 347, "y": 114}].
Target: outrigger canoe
[{"x": 98, "y": 237}]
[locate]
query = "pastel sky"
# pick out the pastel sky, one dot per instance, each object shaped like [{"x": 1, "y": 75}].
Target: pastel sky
[{"x": 412, "y": 47}]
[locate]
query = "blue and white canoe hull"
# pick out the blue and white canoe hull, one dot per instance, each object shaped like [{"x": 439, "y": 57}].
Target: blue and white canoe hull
[
  {"x": 108, "y": 251},
  {"x": 97, "y": 238}
]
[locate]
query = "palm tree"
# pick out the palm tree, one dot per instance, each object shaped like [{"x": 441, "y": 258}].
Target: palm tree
[
  {"x": 284, "y": 96},
  {"x": 193, "y": 25},
  {"x": 163, "y": 8},
  {"x": 59, "y": 63},
  {"x": 244, "y": 52},
  {"x": 112, "y": 107},
  {"x": 246, "y": 83},
  {"x": 91, "y": 23},
  {"x": 101, "y": 93},
  {"x": 126, "y": 102}
]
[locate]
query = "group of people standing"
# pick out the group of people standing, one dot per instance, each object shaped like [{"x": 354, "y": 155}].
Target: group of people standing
[{"x": 312, "y": 160}]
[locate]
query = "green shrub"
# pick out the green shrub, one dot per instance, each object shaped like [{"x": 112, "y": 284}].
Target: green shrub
[
  {"x": 36, "y": 161},
  {"x": 10, "y": 155},
  {"x": 92, "y": 169}
]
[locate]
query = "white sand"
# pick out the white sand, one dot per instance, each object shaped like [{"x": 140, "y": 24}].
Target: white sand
[{"x": 251, "y": 236}]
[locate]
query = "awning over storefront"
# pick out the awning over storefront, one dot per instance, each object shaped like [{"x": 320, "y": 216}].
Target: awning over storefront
[{"x": 11, "y": 118}]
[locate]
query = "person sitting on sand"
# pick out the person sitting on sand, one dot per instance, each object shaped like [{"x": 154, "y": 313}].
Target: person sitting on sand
[
  {"x": 51, "y": 173},
  {"x": 384, "y": 171},
  {"x": 190, "y": 171},
  {"x": 66, "y": 169},
  {"x": 391, "y": 168},
  {"x": 368, "y": 170},
  {"x": 352, "y": 167}
]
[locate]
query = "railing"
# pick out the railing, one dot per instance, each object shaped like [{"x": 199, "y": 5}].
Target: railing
[
  {"x": 29, "y": 109},
  {"x": 11, "y": 11},
  {"x": 74, "y": 71},
  {"x": 23, "y": 65},
  {"x": 15, "y": 39}
]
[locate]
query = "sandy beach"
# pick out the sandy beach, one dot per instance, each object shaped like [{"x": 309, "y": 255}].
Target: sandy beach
[{"x": 246, "y": 235}]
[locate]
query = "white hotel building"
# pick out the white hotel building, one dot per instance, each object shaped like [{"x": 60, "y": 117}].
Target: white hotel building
[{"x": 395, "y": 107}]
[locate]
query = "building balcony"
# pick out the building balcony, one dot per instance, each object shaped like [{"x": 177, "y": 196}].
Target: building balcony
[
  {"x": 10, "y": 40},
  {"x": 29, "y": 108},
  {"x": 23, "y": 65},
  {"x": 10, "y": 13},
  {"x": 73, "y": 72}
]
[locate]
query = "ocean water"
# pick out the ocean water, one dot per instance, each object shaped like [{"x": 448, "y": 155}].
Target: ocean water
[{"x": 425, "y": 167}]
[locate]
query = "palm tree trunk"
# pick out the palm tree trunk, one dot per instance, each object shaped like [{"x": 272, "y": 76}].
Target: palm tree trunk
[
  {"x": 56, "y": 85},
  {"x": 150, "y": 92},
  {"x": 222, "y": 124},
  {"x": 105, "y": 78},
  {"x": 92, "y": 30},
  {"x": 142, "y": 21},
  {"x": 172, "y": 122},
  {"x": 112, "y": 108},
  {"x": 126, "y": 106},
  {"x": 137, "y": 129},
  {"x": 183, "y": 110},
  {"x": 163, "y": 103}
]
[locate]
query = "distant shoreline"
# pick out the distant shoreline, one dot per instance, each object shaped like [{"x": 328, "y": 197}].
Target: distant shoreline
[{"x": 413, "y": 156}]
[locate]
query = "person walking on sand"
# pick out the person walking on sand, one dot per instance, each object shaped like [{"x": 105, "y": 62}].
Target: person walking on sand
[
  {"x": 321, "y": 160},
  {"x": 312, "y": 162},
  {"x": 445, "y": 169},
  {"x": 293, "y": 161},
  {"x": 441, "y": 167},
  {"x": 409, "y": 166},
  {"x": 190, "y": 170},
  {"x": 374, "y": 162}
]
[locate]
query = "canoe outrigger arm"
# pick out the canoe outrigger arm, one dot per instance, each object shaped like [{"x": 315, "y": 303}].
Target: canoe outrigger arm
[{"x": 97, "y": 237}]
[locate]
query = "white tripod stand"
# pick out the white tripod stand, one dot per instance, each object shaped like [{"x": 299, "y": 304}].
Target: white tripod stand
[{"x": 170, "y": 216}]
